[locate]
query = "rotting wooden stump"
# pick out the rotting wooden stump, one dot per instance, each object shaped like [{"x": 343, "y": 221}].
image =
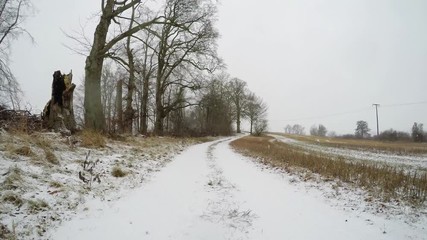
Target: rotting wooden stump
[{"x": 58, "y": 114}]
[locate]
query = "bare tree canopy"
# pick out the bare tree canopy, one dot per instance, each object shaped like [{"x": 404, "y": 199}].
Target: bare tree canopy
[
  {"x": 187, "y": 45},
  {"x": 103, "y": 42},
  {"x": 11, "y": 18}
]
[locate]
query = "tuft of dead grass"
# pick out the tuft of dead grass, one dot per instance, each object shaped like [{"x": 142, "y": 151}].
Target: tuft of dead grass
[
  {"x": 24, "y": 151},
  {"x": 13, "y": 180},
  {"x": 5, "y": 233},
  {"x": 92, "y": 139},
  {"x": 38, "y": 205},
  {"x": 12, "y": 197},
  {"x": 50, "y": 157},
  {"x": 55, "y": 184},
  {"x": 118, "y": 172},
  {"x": 385, "y": 182}
]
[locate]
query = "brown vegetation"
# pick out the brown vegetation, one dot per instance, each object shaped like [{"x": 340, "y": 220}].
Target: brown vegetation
[
  {"x": 363, "y": 144},
  {"x": 92, "y": 139},
  {"x": 385, "y": 182},
  {"x": 118, "y": 172}
]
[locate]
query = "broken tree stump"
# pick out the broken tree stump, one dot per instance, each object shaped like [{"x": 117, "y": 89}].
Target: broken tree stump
[{"x": 58, "y": 114}]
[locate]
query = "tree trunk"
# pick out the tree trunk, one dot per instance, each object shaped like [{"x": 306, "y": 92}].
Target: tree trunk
[
  {"x": 238, "y": 122},
  {"x": 158, "y": 125},
  {"x": 94, "y": 116},
  {"x": 129, "y": 112},
  {"x": 119, "y": 106},
  {"x": 144, "y": 111}
]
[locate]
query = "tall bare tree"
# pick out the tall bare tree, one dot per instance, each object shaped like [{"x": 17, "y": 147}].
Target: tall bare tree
[
  {"x": 238, "y": 89},
  {"x": 255, "y": 110},
  {"x": 186, "y": 41},
  {"x": 215, "y": 110},
  {"x": 112, "y": 11}
]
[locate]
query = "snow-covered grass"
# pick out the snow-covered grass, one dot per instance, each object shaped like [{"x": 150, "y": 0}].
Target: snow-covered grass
[
  {"x": 383, "y": 182},
  {"x": 409, "y": 162},
  {"x": 40, "y": 182},
  {"x": 396, "y": 147}
]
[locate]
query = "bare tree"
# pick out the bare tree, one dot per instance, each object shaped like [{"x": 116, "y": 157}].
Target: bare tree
[
  {"x": 417, "y": 132},
  {"x": 111, "y": 11},
  {"x": 186, "y": 44},
  {"x": 318, "y": 130},
  {"x": 11, "y": 18},
  {"x": 147, "y": 68},
  {"x": 362, "y": 129},
  {"x": 215, "y": 112},
  {"x": 255, "y": 109},
  {"x": 260, "y": 126},
  {"x": 298, "y": 129},
  {"x": 238, "y": 89}
]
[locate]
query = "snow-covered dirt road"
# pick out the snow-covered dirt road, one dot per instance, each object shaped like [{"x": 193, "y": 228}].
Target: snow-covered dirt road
[{"x": 211, "y": 192}]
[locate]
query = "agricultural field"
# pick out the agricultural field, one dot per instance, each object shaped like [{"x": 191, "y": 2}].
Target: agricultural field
[{"x": 406, "y": 155}]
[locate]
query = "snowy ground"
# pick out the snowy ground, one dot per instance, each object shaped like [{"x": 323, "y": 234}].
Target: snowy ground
[
  {"x": 408, "y": 162},
  {"x": 211, "y": 192},
  {"x": 36, "y": 195}
]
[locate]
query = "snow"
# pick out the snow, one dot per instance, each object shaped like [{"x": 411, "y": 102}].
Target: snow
[
  {"x": 59, "y": 187},
  {"x": 210, "y": 192},
  {"x": 408, "y": 162}
]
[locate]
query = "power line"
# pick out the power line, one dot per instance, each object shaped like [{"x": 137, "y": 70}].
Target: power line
[
  {"x": 404, "y": 104},
  {"x": 323, "y": 116},
  {"x": 346, "y": 113}
]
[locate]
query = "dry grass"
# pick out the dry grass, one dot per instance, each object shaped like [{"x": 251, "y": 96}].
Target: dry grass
[
  {"x": 92, "y": 139},
  {"x": 5, "y": 233},
  {"x": 23, "y": 151},
  {"x": 118, "y": 172},
  {"x": 38, "y": 205},
  {"x": 401, "y": 148},
  {"x": 12, "y": 197},
  {"x": 13, "y": 180},
  {"x": 51, "y": 157},
  {"x": 55, "y": 184},
  {"x": 383, "y": 181}
]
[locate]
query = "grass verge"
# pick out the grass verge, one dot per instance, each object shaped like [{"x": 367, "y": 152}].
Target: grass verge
[{"x": 385, "y": 182}]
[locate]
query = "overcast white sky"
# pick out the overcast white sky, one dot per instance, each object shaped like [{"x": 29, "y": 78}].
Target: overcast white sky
[{"x": 317, "y": 61}]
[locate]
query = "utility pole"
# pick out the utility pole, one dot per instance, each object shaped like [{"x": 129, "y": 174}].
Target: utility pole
[{"x": 376, "y": 112}]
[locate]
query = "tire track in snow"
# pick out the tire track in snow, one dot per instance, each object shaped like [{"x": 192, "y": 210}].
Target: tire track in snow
[{"x": 224, "y": 207}]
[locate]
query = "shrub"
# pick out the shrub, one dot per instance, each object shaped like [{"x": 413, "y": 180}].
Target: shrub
[
  {"x": 118, "y": 172},
  {"x": 393, "y": 135}
]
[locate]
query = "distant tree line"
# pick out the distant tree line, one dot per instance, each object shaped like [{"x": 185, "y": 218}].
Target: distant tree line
[{"x": 362, "y": 130}]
